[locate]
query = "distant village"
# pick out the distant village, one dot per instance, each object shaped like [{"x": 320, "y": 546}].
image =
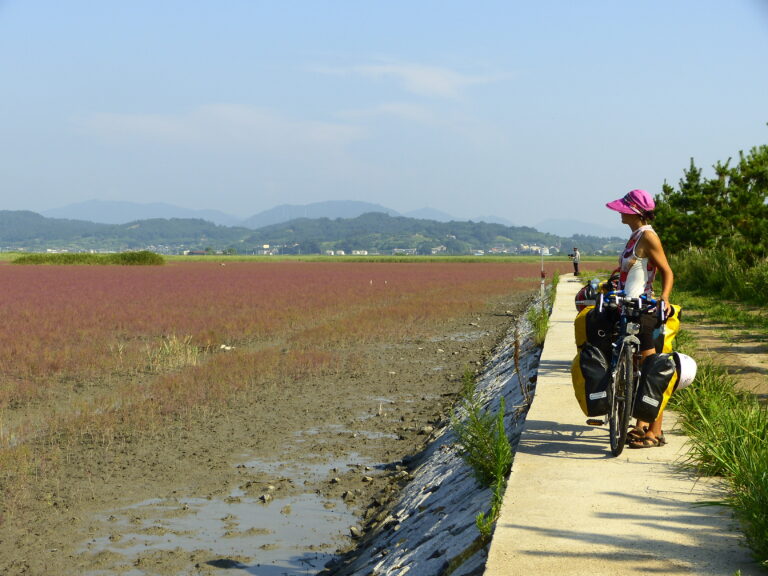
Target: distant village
[{"x": 276, "y": 250}]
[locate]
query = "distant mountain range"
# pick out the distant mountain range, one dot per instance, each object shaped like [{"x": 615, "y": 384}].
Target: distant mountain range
[
  {"x": 113, "y": 212},
  {"x": 372, "y": 232}
]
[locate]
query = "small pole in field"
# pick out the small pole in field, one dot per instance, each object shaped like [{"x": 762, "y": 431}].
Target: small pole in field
[{"x": 543, "y": 274}]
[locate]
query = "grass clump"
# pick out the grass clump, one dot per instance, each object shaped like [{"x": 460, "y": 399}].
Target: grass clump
[
  {"x": 486, "y": 448},
  {"x": 538, "y": 316},
  {"x": 172, "y": 353},
  {"x": 140, "y": 258}
]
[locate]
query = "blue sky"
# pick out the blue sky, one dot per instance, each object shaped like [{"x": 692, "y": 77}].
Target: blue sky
[{"x": 528, "y": 111}]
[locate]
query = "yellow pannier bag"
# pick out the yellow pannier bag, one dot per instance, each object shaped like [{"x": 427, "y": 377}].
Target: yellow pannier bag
[{"x": 580, "y": 326}]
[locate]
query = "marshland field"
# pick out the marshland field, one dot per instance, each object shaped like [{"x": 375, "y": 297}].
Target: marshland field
[{"x": 197, "y": 416}]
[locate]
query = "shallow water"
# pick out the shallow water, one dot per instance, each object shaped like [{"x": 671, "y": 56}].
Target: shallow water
[{"x": 287, "y": 536}]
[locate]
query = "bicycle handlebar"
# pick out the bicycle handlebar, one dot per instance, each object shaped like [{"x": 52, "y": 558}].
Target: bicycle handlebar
[{"x": 643, "y": 304}]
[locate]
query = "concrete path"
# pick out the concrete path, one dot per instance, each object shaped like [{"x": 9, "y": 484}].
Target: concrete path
[{"x": 571, "y": 508}]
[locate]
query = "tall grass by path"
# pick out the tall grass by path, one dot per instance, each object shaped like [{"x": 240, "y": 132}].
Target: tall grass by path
[
  {"x": 727, "y": 431},
  {"x": 718, "y": 272}
]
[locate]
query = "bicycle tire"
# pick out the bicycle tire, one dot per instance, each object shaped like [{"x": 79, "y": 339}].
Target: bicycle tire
[{"x": 622, "y": 392}]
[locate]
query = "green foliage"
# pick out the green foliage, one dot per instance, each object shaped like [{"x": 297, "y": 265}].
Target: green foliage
[
  {"x": 729, "y": 211},
  {"x": 142, "y": 258},
  {"x": 721, "y": 272}
]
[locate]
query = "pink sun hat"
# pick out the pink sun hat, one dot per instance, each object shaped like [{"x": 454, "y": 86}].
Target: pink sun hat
[{"x": 636, "y": 202}]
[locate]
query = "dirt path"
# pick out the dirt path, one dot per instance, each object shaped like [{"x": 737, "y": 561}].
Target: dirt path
[
  {"x": 743, "y": 353},
  {"x": 270, "y": 486}
]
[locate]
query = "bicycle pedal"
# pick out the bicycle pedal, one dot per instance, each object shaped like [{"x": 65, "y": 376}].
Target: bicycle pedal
[{"x": 592, "y": 422}]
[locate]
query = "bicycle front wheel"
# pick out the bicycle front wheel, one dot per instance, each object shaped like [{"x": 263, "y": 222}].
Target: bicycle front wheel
[{"x": 621, "y": 400}]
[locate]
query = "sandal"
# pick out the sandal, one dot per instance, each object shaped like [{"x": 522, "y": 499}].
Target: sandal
[
  {"x": 636, "y": 434},
  {"x": 648, "y": 442}
]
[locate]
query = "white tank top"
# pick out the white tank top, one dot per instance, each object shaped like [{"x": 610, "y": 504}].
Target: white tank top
[{"x": 636, "y": 274}]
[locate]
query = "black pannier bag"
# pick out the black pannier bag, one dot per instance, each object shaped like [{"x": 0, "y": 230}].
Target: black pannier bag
[
  {"x": 658, "y": 376},
  {"x": 591, "y": 376},
  {"x": 600, "y": 326}
]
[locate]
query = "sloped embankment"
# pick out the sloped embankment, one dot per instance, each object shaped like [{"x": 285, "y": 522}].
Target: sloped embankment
[{"x": 430, "y": 528}]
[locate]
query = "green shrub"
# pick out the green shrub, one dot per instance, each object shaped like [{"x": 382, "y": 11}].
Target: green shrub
[
  {"x": 484, "y": 443},
  {"x": 143, "y": 257}
]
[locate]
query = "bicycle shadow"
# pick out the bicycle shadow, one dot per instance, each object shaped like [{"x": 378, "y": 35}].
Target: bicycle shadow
[{"x": 552, "y": 439}]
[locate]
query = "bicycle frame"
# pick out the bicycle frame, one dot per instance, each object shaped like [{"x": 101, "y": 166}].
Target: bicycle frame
[{"x": 625, "y": 363}]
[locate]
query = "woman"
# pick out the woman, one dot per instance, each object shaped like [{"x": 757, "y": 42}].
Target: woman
[{"x": 641, "y": 259}]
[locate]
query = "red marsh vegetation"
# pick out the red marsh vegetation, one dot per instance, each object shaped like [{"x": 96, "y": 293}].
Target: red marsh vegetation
[{"x": 93, "y": 355}]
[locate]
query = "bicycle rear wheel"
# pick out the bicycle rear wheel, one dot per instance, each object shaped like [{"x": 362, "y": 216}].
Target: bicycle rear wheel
[{"x": 621, "y": 400}]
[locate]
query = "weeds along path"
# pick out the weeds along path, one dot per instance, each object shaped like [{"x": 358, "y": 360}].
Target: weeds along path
[{"x": 185, "y": 383}]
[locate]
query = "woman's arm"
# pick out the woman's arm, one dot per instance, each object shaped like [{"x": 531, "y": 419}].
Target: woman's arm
[{"x": 653, "y": 250}]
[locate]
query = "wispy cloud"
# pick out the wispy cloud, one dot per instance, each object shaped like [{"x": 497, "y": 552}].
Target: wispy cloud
[
  {"x": 418, "y": 79},
  {"x": 217, "y": 125}
]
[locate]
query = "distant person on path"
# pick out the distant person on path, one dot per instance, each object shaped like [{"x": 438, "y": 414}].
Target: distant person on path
[
  {"x": 576, "y": 257},
  {"x": 641, "y": 258}
]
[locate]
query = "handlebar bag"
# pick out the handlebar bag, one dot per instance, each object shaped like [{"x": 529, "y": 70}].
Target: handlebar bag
[
  {"x": 658, "y": 377},
  {"x": 591, "y": 376}
]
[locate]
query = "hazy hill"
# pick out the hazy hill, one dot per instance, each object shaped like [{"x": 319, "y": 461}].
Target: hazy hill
[
  {"x": 111, "y": 212},
  {"x": 384, "y": 233},
  {"x": 31, "y": 231},
  {"x": 374, "y": 232},
  {"x": 330, "y": 209}
]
